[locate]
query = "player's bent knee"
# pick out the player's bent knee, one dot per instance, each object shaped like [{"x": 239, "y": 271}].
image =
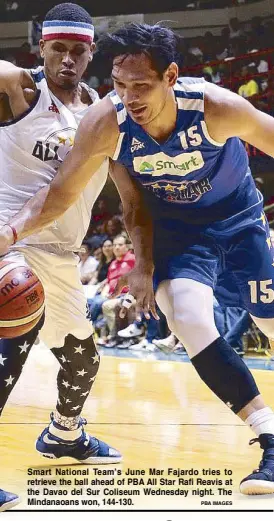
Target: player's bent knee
[
  {"x": 194, "y": 331},
  {"x": 225, "y": 373}
]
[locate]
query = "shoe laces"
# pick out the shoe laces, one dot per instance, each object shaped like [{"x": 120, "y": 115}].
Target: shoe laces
[{"x": 266, "y": 458}]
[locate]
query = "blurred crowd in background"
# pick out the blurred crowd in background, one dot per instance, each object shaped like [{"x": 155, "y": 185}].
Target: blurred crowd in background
[
  {"x": 20, "y": 10},
  {"x": 241, "y": 58}
]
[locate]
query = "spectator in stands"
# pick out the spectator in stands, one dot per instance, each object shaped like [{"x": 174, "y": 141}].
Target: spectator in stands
[
  {"x": 208, "y": 46},
  {"x": 181, "y": 50},
  {"x": 238, "y": 47},
  {"x": 88, "y": 263},
  {"x": 235, "y": 30},
  {"x": 11, "y": 5},
  {"x": 96, "y": 235},
  {"x": 25, "y": 58},
  {"x": 249, "y": 87},
  {"x": 140, "y": 334},
  {"x": 106, "y": 258},
  {"x": 93, "y": 82},
  {"x": 114, "y": 227},
  {"x": 207, "y": 76},
  {"x": 195, "y": 49},
  {"x": 222, "y": 44},
  {"x": 211, "y": 74},
  {"x": 36, "y": 30},
  {"x": 124, "y": 261},
  {"x": 266, "y": 101},
  {"x": 100, "y": 214},
  {"x": 261, "y": 66},
  {"x": 224, "y": 77},
  {"x": 215, "y": 75},
  {"x": 258, "y": 29},
  {"x": 119, "y": 214},
  {"x": 122, "y": 264},
  {"x": 170, "y": 344}
]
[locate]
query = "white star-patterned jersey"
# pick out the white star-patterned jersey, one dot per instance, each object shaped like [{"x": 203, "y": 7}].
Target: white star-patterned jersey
[{"x": 32, "y": 148}]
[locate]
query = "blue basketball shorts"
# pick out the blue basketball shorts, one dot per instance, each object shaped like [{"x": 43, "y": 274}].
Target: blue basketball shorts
[{"x": 234, "y": 256}]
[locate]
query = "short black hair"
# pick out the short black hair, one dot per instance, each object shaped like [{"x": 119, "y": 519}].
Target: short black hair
[
  {"x": 156, "y": 41},
  {"x": 68, "y": 11}
]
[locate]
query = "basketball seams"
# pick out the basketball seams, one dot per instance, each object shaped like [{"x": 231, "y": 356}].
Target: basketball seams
[
  {"x": 7, "y": 323},
  {"x": 9, "y": 267},
  {"x": 17, "y": 331},
  {"x": 25, "y": 290},
  {"x": 26, "y": 316}
]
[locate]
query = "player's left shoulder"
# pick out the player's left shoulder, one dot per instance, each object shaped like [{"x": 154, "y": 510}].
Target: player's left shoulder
[
  {"x": 220, "y": 101},
  {"x": 225, "y": 112}
]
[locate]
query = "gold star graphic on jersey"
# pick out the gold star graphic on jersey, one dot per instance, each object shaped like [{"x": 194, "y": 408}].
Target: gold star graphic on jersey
[
  {"x": 156, "y": 185},
  {"x": 268, "y": 240},
  {"x": 169, "y": 188},
  {"x": 263, "y": 218},
  {"x": 182, "y": 187},
  {"x": 71, "y": 141},
  {"x": 62, "y": 140}
]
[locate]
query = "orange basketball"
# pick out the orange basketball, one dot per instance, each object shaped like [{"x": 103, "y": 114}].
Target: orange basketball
[{"x": 22, "y": 299}]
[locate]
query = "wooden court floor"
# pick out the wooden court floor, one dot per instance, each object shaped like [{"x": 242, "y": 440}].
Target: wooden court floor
[{"x": 157, "y": 413}]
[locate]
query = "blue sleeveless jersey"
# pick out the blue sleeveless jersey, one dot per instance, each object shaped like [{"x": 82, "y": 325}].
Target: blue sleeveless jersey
[
  {"x": 208, "y": 218},
  {"x": 190, "y": 177}
]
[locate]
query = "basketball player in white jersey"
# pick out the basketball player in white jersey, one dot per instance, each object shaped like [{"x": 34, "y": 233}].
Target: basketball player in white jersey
[{"x": 39, "y": 114}]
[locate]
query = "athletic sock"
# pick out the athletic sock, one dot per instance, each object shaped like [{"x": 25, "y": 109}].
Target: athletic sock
[{"x": 261, "y": 421}]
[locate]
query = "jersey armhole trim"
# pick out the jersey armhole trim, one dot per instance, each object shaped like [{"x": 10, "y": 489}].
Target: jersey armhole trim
[
  {"x": 31, "y": 107},
  {"x": 118, "y": 146},
  {"x": 208, "y": 137}
]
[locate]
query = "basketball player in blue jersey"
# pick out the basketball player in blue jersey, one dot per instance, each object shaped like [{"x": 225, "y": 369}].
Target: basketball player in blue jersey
[
  {"x": 39, "y": 114},
  {"x": 190, "y": 205}
]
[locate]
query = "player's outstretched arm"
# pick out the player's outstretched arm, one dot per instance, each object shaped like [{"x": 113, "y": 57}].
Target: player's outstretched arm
[
  {"x": 139, "y": 225},
  {"x": 96, "y": 139},
  {"x": 229, "y": 115},
  {"x": 14, "y": 83}
]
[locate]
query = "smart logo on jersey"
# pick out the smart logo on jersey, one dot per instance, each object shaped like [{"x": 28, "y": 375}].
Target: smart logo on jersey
[
  {"x": 160, "y": 164},
  {"x": 146, "y": 168}
]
